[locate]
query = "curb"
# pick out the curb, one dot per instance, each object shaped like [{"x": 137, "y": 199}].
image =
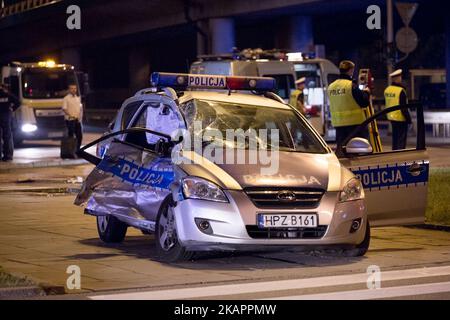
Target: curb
[
  {"x": 51, "y": 289},
  {"x": 10, "y": 293},
  {"x": 71, "y": 189},
  {"x": 42, "y": 164},
  {"x": 40, "y": 290}
]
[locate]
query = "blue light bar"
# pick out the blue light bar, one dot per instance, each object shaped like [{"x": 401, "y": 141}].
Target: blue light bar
[{"x": 184, "y": 81}]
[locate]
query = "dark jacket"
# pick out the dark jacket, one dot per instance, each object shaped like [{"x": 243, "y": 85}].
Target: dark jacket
[{"x": 8, "y": 101}]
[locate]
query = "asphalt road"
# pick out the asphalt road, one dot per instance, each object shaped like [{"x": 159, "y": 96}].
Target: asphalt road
[{"x": 42, "y": 233}]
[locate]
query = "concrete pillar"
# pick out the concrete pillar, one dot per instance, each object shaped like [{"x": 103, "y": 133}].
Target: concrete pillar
[
  {"x": 447, "y": 59},
  {"x": 71, "y": 56},
  {"x": 222, "y": 35},
  {"x": 301, "y": 36},
  {"x": 202, "y": 43},
  {"x": 139, "y": 62}
]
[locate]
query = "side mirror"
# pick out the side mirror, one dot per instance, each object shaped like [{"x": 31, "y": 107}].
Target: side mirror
[{"x": 358, "y": 146}]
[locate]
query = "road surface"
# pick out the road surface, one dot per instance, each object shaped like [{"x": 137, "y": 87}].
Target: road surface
[{"x": 42, "y": 233}]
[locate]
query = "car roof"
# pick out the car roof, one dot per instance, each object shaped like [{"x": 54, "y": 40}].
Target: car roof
[{"x": 234, "y": 97}]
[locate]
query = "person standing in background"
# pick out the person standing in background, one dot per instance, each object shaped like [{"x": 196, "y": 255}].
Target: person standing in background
[
  {"x": 8, "y": 104},
  {"x": 395, "y": 95},
  {"x": 73, "y": 114},
  {"x": 347, "y": 103},
  {"x": 297, "y": 96}
]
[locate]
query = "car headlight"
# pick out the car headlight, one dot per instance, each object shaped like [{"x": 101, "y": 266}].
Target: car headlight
[
  {"x": 353, "y": 190},
  {"x": 198, "y": 188}
]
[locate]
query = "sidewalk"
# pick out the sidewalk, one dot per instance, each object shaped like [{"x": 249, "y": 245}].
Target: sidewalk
[{"x": 45, "y": 153}]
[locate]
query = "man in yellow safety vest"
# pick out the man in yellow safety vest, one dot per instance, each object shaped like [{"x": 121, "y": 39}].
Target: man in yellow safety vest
[
  {"x": 395, "y": 95},
  {"x": 297, "y": 96},
  {"x": 347, "y": 102}
]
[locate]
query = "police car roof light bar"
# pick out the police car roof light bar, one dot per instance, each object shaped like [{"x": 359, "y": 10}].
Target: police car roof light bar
[{"x": 184, "y": 81}]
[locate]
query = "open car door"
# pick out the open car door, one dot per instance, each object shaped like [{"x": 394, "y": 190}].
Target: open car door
[
  {"x": 395, "y": 182},
  {"x": 134, "y": 175}
]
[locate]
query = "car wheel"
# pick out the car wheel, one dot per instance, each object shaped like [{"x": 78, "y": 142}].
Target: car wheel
[
  {"x": 360, "y": 249},
  {"x": 110, "y": 229},
  {"x": 168, "y": 246}
]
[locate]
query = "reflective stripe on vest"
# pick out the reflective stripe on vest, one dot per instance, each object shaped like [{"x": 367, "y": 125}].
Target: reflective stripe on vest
[
  {"x": 345, "y": 111},
  {"x": 392, "y": 99}
]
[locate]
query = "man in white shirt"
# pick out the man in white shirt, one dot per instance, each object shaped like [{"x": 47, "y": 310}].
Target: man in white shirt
[{"x": 73, "y": 113}]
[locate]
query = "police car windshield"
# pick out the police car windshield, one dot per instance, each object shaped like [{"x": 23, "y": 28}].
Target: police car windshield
[
  {"x": 221, "y": 123},
  {"x": 46, "y": 83}
]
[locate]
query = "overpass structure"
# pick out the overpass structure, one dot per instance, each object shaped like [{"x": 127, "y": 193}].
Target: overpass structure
[{"x": 131, "y": 37}]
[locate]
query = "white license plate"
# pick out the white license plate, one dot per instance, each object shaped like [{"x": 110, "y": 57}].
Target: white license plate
[
  {"x": 55, "y": 134},
  {"x": 49, "y": 113},
  {"x": 288, "y": 220}
]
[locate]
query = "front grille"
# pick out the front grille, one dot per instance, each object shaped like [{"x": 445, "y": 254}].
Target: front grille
[
  {"x": 50, "y": 122},
  {"x": 286, "y": 233},
  {"x": 269, "y": 197}
]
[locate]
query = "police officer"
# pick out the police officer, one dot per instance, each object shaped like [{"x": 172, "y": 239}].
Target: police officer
[
  {"x": 347, "y": 102},
  {"x": 8, "y": 104},
  {"x": 297, "y": 96},
  {"x": 395, "y": 95}
]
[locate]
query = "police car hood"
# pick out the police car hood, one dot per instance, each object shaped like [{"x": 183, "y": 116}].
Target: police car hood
[{"x": 288, "y": 169}]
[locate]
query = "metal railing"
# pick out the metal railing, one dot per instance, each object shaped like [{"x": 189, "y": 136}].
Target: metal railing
[{"x": 22, "y": 6}]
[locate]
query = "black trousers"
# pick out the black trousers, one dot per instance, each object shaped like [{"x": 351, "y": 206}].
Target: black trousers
[
  {"x": 6, "y": 137},
  {"x": 74, "y": 130},
  {"x": 399, "y": 134},
  {"x": 343, "y": 132}
]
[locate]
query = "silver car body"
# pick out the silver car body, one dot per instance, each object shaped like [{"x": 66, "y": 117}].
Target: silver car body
[{"x": 388, "y": 189}]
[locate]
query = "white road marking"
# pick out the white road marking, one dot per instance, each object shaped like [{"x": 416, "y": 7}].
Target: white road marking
[
  {"x": 389, "y": 292},
  {"x": 268, "y": 286}
]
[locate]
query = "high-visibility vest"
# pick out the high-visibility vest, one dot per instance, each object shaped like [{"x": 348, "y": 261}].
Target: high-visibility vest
[
  {"x": 345, "y": 111},
  {"x": 392, "y": 98},
  {"x": 294, "y": 97}
]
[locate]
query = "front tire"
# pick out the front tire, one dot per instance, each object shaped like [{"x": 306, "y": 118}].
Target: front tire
[
  {"x": 168, "y": 247},
  {"x": 110, "y": 229},
  {"x": 362, "y": 248}
]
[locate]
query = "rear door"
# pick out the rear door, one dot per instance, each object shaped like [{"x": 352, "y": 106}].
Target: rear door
[{"x": 395, "y": 182}]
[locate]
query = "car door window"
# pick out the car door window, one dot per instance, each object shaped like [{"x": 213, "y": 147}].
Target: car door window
[
  {"x": 158, "y": 117},
  {"x": 129, "y": 112}
]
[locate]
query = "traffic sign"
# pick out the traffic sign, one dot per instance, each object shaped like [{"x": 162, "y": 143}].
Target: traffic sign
[
  {"x": 406, "y": 40},
  {"x": 406, "y": 11}
]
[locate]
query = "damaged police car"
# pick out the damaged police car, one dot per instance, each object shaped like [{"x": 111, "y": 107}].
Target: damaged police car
[{"x": 212, "y": 163}]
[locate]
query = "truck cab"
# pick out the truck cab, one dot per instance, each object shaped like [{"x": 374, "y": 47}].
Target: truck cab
[
  {"x": 40, "y": 88},
  {"x": 285, "y": 68},
  {"x": 319, "y": 74}
]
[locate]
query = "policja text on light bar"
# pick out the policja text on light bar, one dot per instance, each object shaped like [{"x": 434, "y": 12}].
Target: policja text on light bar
[{"x": 184, "y": 81}]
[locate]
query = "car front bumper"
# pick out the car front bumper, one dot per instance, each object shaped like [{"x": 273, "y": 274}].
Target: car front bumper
[{"x": 231, "y": 224}]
